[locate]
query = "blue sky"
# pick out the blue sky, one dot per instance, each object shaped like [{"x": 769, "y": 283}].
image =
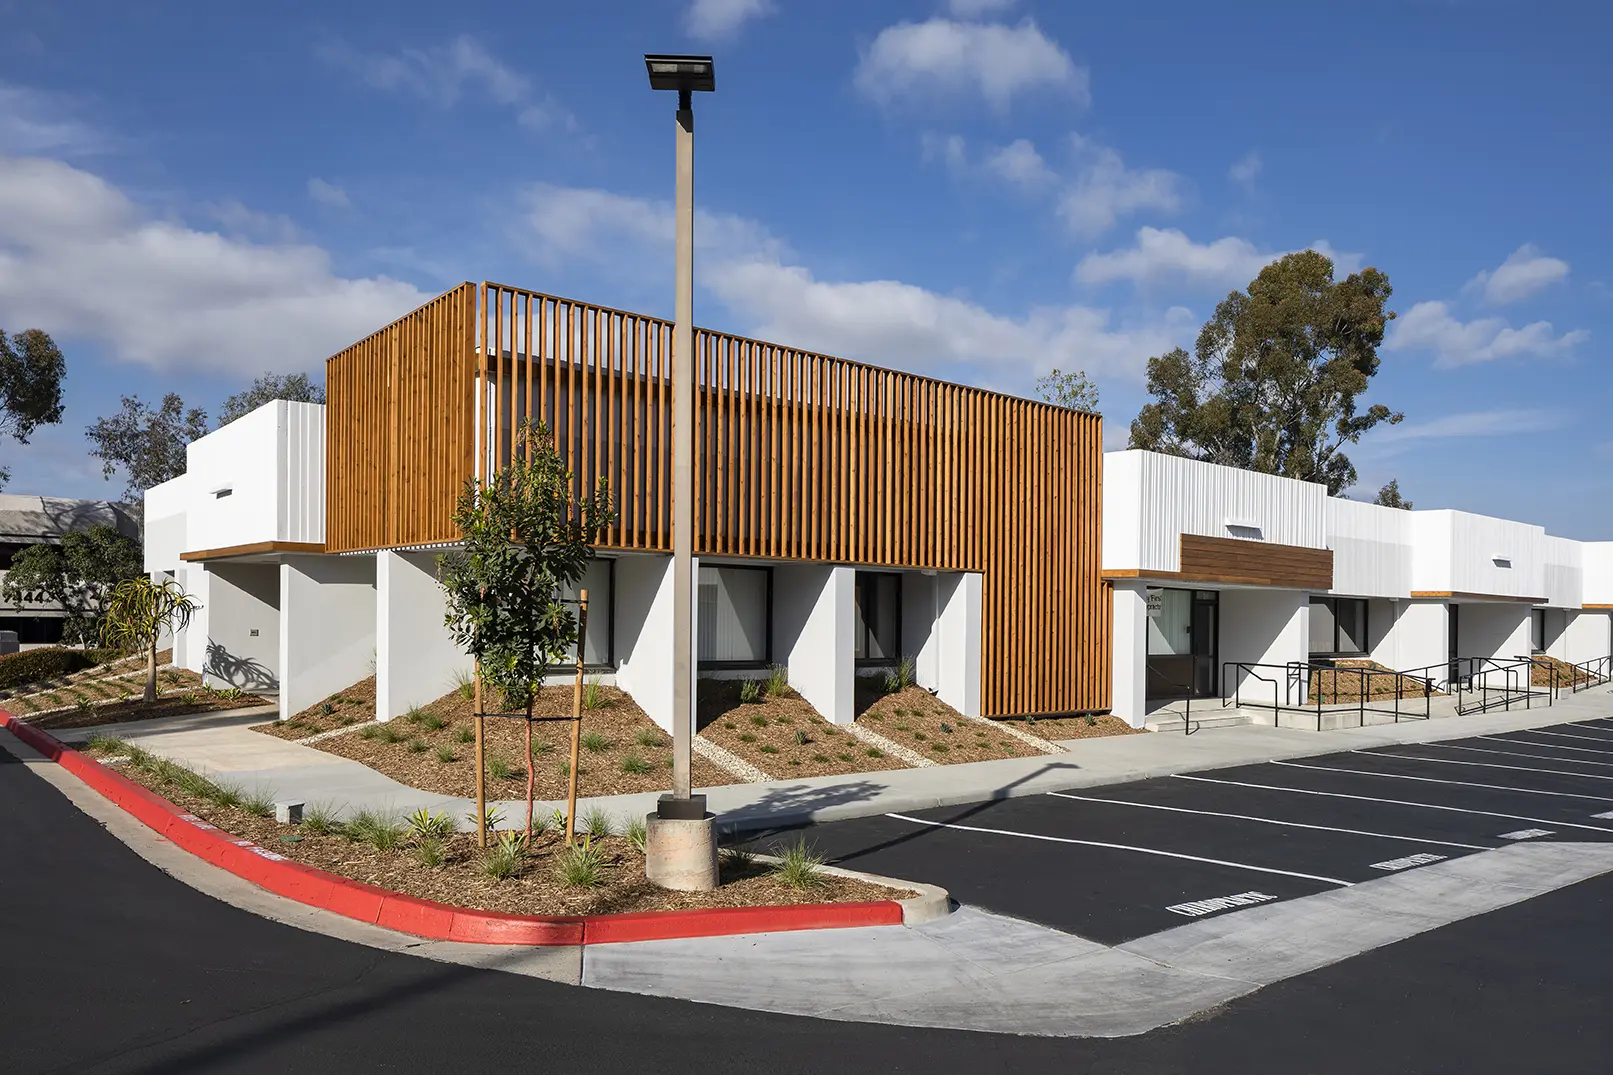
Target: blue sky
[{"x": 191, "y": 194}]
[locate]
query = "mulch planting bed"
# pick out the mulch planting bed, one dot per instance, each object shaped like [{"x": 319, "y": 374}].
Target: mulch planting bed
[
  {"x": 1091, "y": 727},
  {"x": 167, "y": 705},
  {"x": 922, "y": 722},
  {"x": 1553, "y": 671},
  {"x": 782, "y": 734},
  {"x": 349, "y": 706},
  {"x": 460, "y": 878},
  {"x": 118, "y": 679},
  {"x": 432, "y": 748},
  {"x": 1343, "y": 685}
]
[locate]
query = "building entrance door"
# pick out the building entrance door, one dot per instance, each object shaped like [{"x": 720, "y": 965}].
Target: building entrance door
[{"x": 1183, "y": 643}]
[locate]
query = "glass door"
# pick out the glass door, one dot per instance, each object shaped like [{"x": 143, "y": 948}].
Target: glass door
[{"x": 1206, "y": 639}]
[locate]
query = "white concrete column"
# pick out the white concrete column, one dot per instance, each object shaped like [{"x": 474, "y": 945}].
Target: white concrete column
[
  {"x": 415, "y": 656},
  {"x": 327, "y": 627},
  {"x": 644, "y": 630},
  {"x": 1589, "y": 635},
  {"x": 190, "y": 643},
  {"x": 1128, "y": 685},
  {"x": 1270, "y": 627},
  {"x": 241, "y": 644},
  {"x": 814, "y": 623},
  {"x": 958, "y": 641},
  {"x": 921, "y": 612},
  {"x": 1421, "y": 636}
]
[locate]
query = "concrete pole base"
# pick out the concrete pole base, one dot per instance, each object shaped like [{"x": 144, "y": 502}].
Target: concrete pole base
[{"x": 681, "y": 854}]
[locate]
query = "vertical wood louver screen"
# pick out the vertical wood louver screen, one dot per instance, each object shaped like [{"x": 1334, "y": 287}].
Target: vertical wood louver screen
[{"x": 798, "y": 456}]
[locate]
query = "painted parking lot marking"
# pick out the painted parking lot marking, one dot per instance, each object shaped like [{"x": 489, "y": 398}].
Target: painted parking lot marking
[
  {"x": 1408, "y": 862},
  {"x": 1121, "y": 847},
  {"x": 1219, "y": 903},
  {"x": 1514, "y": 754},
  {"x": 1437, "y": 780},
  {"x": 1547, "y": 746},
  {"x": 1606, "y": 816},
  {"x": 1526, "y": 834},
  {"x": 1482, "y": 764},
  {"x": 1266, "y": 821},
  {"x": 1391, "y": 802}
]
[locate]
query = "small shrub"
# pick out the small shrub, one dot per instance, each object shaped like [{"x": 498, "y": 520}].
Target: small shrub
[
  {"x": 750, "y": 691},
  {"x": 225, "y": 794},
  {"x": 109, "y": 744},
  {"x": 778, "y": 681},
  {"x": 901, "y": 677},
  {"x": 230, "y": 694},
  {"x": 433, "y": 723},
  {"x": 946, "y": 728},
  {"x": 424, "y": 824},
  {"x": 380, "y": 830},
  {"x": 920, "y": 736},
  {"x": 498, "y": 767},
  {"x": 939, "y": 748},
  {"x": 636, "y": 766},
  {"x": 259, "y": 801},
  {"x": 326, "y": 708},
  {"x": 1091, "y": 720},
  {"x": 390, "y": 734},
  {"x": 465, "y": 735},
  {"x": 414, "y": 714},
  {"x": 728, "y": 724},
  {"x": 506, "y": 858},
  {"x": 647, "y": 737},
  {"x": 429, "y": 852},
  {"x": 320, "y": 820},
  {"x": 738, "y": 859},
  {"x": 47, "y": 662},
  {"x": 801, "y": 738},
  {"x": 830, "y": 733},
  {"x": 446, "y": 755},
  {"x": 758, "y": 721},
  {"x": 637, "y": 834},
  {"x": 595, "y": 743},
  {"x": 768, "y": 748},
  {"x": 465, "y": 684},
  {"x": 798, "y": 866},
  {"x": 597, "y": 824},
  {"x": 491, "y": 820},
  {"x": 821, "y": 759},
  {"x": 540, "y": 748},
  {"x": 593, "y": 695},
  {"x": 417, "y": 746},
  {"x": 564, "y": 769},
  {"x": 581, "y": 865},
  {"x": 746, "y": 737},
  {"x": 875, "y": 752},
  {"x": 82, "y": 703}
]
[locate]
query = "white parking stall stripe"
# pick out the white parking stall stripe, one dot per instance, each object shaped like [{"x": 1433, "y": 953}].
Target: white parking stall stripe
[
  {"x": 1120, "y": 847},
  {"x": 1392, "y": 802},
  {"x": 1268, "y": 821},
  {"x": 1482, "y": 764},
  {"x": 1564, "y": 735},
  {"x": 1512, "y": 753},
  {"x": 1437, "y": 780}
]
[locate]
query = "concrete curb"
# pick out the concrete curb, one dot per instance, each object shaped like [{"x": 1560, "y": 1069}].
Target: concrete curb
[{"x": 437, "y": 921}]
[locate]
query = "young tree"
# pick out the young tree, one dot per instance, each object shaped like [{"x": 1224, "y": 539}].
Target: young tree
[
  {"x": 525, "y": 535},
  {"x": 138, "y": 612},
  {"x": 1072, "y": 390},
  {"x": 31, "y": 372},
  {"x": 1273, "y": 380},
  {"x": 147, "y": 444},
  {"x": 77, "y": 574},
  {"x": 296, "y": 387},
  {"x": 1389, "y": 496}
]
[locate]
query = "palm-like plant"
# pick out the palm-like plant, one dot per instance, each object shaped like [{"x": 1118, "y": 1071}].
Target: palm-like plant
[{"x": 138, "y": 612}]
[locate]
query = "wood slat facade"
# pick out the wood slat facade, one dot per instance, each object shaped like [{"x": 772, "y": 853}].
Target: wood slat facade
[{"x": 798, "y": 456}]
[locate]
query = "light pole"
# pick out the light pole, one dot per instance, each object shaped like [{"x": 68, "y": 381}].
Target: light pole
[{"x": 681, "y": 848}]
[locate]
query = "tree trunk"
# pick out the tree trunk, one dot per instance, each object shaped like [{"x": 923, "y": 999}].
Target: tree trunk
[
  {"x": 531, "y": 777},
  {"x": 151, "y": 671}
]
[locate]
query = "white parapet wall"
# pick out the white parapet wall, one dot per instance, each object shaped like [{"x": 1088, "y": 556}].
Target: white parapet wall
[
  {"x": 814, "y": 617},
  {"x": 327, "y": 627},
  {"x": 416, "y": 658},
  {"x": 1129, "y": 682}
]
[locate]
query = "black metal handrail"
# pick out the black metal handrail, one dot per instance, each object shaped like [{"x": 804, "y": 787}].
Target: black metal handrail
[
  {"x": 1597, "y": 670},
  {"x": 1480, "y": 675},
  {"x": 1301, "y": 674}
]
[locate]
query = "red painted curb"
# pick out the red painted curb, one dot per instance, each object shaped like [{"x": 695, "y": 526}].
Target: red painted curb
[{"x": 426, "y": 918}]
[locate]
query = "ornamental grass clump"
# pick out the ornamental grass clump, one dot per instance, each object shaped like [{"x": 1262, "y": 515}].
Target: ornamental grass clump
[
  {"x": 382, "y": 831},
  {"x": 506, "y": 858},
  {"x": 582, "y": 865},
  {"x": 798, "y": 867}
]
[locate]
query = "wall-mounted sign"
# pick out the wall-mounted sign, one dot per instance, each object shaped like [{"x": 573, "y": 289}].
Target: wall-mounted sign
[{"x": 1156, "y": 601}]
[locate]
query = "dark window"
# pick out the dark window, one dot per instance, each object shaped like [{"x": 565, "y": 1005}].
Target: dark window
[
  {"x": 599, "y": 579},
  {"x": 1537, "y": 630},
  {"x": 879, "y": 617},
  {"x": 8, "y": 551},
  {"x": 735, "y": 616},
  {"x": 1338, "y": 626}
]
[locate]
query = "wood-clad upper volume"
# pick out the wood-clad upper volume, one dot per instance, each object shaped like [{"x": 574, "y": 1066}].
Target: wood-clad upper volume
[{"x": 798, "y": 456}]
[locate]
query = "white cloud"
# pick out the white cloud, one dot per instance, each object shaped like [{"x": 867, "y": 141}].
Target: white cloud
[
  {"x": 32, "y": 121},
  {"x": 1470, "y": 424},
  {"x": 442, "y": 75},
  {"x": 328, "y": 194},
  {"x": 1019, "y": 163},
  {"x": 1166, "y": 254},
  {"x": 914, "y": 60},
  {"x": 973, "y": 9},
  {"x": 885, "y": 321},
  {"x": 714, "y": 19},
  {"x": 80, "y": 259},
  {"x": 1246, "y": 170},
  {"x": 949, "y": 149},
  {"x": 1525, "y": 272},
  {"x": 1430, "y": 325},
  {"x": 1106, "y": 190}
]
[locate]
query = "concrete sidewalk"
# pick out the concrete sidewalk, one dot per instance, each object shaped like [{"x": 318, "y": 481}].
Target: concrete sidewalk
[{"x": 224, "y": 747}]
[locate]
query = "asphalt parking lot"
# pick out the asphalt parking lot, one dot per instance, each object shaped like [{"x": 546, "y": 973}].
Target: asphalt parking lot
[{"x": 1121, "y": 861}]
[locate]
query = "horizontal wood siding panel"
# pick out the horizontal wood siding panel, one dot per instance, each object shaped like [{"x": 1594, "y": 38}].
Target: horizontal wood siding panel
[{"x": 1216, "y": 559}]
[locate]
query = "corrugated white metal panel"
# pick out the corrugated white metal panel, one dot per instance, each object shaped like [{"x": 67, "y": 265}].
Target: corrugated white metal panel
[
  {"x": 234, "y": 482},
  {"x": 1122, "y": 510},
  {"x": 1563, "y": 572},
  {"x": 1431, "y": 550},
  {"x": 1184, "y": 496},
  {"x": 302, "y": 477},
  {"x": 1496, "y": 556},
  {"x": 1598, "y": 562},
  {"x": 1372, "y": 548}
]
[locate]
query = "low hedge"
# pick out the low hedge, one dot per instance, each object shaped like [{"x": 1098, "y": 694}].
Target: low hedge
[{"x": 48, "y": 662}]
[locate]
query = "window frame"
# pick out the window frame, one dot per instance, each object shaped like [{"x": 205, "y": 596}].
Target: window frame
[
  {"x": 1366, "y": 626},
  {"x": 1537, "y": 630},
  {"x": 610, "y": 636},
  {"x": 767, "y": 613},
  {"x": 872, "y": 579}
]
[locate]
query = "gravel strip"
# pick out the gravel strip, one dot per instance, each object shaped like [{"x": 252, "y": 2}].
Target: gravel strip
[
  {"x": 724, "y": 759},
  {"x": 1036, "y": 741},
  {"x": 894, "y": 749}
]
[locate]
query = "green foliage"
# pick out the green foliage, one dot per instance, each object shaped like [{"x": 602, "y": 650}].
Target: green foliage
[
  {"x": 414, "y": 714},
  {"x": 76, "y": 574},
  {"x": 637, "y": 766},
  {"x": 259, "y": 801},
  {"x": 429, "y": 852},
  {"x": 1272, "y": 383},
  {"x": 597, "y": 824},
  {"x": 433, "y": 723},
  {"x": 424, "y": 823},
  {"x": 380, "y": 830},
  {"x": 320, "y": 820},
  {"x": 295, "y": 387},
  {"x": 525, "y": 538},
  {"x": 1389, "y": 496},
  {"x": 778, "y": 681},
  {"x": 506, "y": 858},
  {"x": 874, "y": 752},
  {"x": 946, "y": 728},
  {"x": 768, "y": 748},
  {"x": 648, "y": 737},
  {"x": 418, "y": 746},
  {"x": 1072, "y": 390},
  {"x": 594, "y": 743},
  {"x": 147, "y": 444},
  {"x": 798, "y": 866},
  {"x": 137, "y": 614},
  {"x": 593, "y": 695},
  {"x": 465, "y": 735},
  {"x": 369, "y": 731},
  {"x": 739, "y": 859},
  {"x": 31, "y": 372},
  {"x": 637, "y": 834},
  {"x": 750, "y": 690},
  {"x": 465, "y": 684},
  {"x": 490, "y": 820},
  {"x": 900, "y": 677},
  {"x": 801, "y": 738},
  {"x": 446, "y": 755},
  {"x": 758, "y": 720},
  {"x": 582, "y": 865},
  {"x": 498, "y": 767}
]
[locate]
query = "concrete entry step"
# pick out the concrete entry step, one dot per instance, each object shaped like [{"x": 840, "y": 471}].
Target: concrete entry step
[{"x": 1211, "y": 716}]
